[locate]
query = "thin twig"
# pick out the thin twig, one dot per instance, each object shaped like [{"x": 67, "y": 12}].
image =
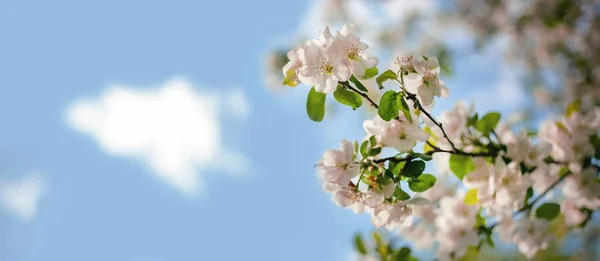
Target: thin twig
[
  {"x": 364, "y": 95},
  {"x": 459, "y": 152},
  {"x": 393, "y": 159},
  {"x": 530, "y": 205}
]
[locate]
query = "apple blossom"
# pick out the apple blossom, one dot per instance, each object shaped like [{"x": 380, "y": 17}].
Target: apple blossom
[
  {"x": 354, "y": 49},
  {"x": 338, "y": 166},
  {"x": 425, "y": 82},
  {"x": 399, "y": 134},
  {"x": 504, "y": 178},
  {"x": 323, "y": 67}
]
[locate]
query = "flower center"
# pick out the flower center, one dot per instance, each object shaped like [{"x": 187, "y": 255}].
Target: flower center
[
  {"x": 430, "y": 77},
  {"x": 353, "y": 51},
  {"x": 402, "y": 134}
]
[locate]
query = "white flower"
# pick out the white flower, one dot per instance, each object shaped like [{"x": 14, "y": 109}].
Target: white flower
[
  {"x": 530, "y": 236},
  {"x": 426, "y": 83},
  {"x": 570, "y": 139},
  {"x": 351, "y": 198},
  {"x": 583, "y": 189},
  {"x": 419, "y": 234},
  {"x": 454, "y": 222},
  {"x": 404, "y": 62},
  {"x": 323, "y": 67},
  {"x": 480, "y": 177},
  {"x": 573, "y": 216},
  {"x": 392, "y": 215},
  {"x": 454, "y": 121},
  {"x": 337, "y": 166},
  {"x": 290, "y": 70},
  {"x": 544, "y": 176},
  {"x": 508, "y": 187},
  {"x": 505, "y": 228},
  {"x": 353, "y": 49},
  {"x": 453, "y": 212},
  {"x": 400, "y": 135},
  {"x": 518, "y": 145},
  {"x": 437, "y": 192},
  {"x": 455, "y": 242},
  {"x": 373, "y": 198}
]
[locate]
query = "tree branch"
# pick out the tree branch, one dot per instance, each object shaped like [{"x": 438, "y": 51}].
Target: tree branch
[{"x": 364, "y": 95}]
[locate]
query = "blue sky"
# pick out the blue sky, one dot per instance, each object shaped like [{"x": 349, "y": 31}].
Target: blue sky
[{"x": 98, "y": 205}]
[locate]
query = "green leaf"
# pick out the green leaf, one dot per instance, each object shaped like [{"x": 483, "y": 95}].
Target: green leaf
[
  {"x": 471, "y": 197},
  {"x": 375, "y": 151},
  {"x": 472, "y": 120},
  {"x": 562, "y": 127},
  {"x": 490, "y": 241},
  {"x": 574, "y": 106},
  {"x": 388, "y": 108},
  {"x": 548, "y": 211},
  {"x": 404, "y": 107},
  {"x": 377, "y": 238},
  {"x": 358, "y": 84},
  {"x": 363, "y": 148},
  {"x": 414, "y": 169},
  {"x": 387, "y": 75},
  {"x": 528, "y": 195},
  {"x": 370, "y": 73},
  {"x": 461, "y": 165},
  {"x": 401, "y": 255},
  {"x": 395, "y": 168},
  {"x": 563, "y": 171},
  {"x": 487, "y": 124},
  {"x": 373, "y": 140},
  {"x": 400, "y": 194},
  {"x": 422, "y": 183},
  {"x": 595, "y": 140},
  {"x": 347, "y": 97},
  {"x": 359, "y": 245},
  {"x": 315, "y": 105},
  {"x": 479, "y": 221}
]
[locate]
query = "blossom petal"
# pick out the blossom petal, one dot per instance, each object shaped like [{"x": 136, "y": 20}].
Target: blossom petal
[
  {"x": 426, "y": 94},
  {"x": 341, "y": 72},
  {"x": 444, "y": 91}
]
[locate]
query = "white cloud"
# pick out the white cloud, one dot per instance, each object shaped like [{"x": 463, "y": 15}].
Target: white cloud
[
  {"x": 173, "y": 129},
  {"x": 21, "y": 197}
]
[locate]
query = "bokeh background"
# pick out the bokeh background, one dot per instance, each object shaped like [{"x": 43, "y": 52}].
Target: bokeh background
[{"x": 158, "y": 130}]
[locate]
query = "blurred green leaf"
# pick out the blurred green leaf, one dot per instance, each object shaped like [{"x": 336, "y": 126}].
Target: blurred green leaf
[
  {"x": 548, "y": 211},
  {"x": 471, "y": 197},
  {"x": 461, "y": 165},
  {"x": 487, "y": 124},
  {"x": 574, "y": 106},
  {"x": 359, "y": 245}
]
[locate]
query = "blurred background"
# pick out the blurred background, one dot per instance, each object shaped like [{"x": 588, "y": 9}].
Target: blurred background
[{"x": 152, "y": 131}]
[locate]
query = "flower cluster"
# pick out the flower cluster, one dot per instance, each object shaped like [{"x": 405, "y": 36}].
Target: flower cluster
[
  {"x": 324, "y": 62},
  {"x": 503, "y": 175}
]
